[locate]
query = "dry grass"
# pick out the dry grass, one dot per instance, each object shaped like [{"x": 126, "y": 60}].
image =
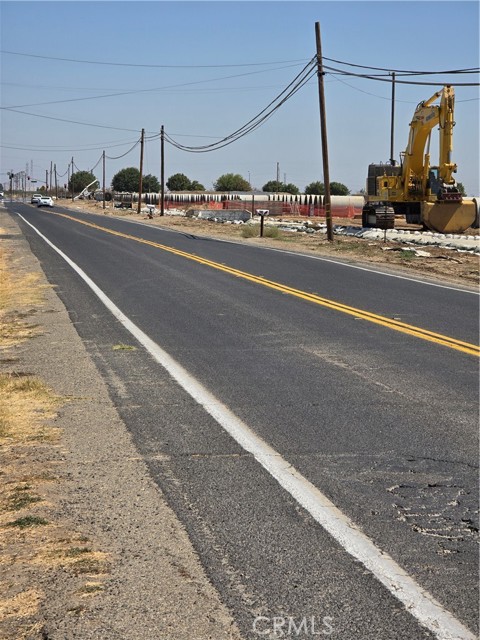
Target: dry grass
[
  {"x": 25, "y": 404},
  {"x": 20, "y": 295},
  {"x": 34, "y": 541},
  {"x": 22, "y": 605}
]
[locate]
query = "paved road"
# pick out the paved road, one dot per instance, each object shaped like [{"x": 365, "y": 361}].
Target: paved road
[{"x": 381, "y": 419}]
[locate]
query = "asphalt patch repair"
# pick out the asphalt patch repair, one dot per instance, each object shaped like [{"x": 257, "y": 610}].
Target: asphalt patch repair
[{"x": 76, "y": 561}]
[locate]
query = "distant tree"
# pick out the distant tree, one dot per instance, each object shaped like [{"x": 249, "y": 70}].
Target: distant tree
[
  {"x": 178, "y": 182},
  {"x": 150, "y": 184},
  {"x": 315, "y": 188},
  {"x": 126, "y": 179},
  {"x": 196, "y": 186},
  {"x": 318, "y": 189},
  {"x": 274, "y": 186},
  {"x": 79, "y": 180},
  {"x": 338, "y": 189},
  {"x": 291, "y": 188},
  {"x": 231, "y": 182},
  {"x": 461, "y": 188}
]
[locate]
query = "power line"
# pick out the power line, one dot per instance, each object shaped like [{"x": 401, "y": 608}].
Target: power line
[
  {"x": 135, "y": 91},
  {"x": 152, "y": 66},
  {"x": 295, "y": 85},
  {"x": 124, "y": 154},
  {"x": 100, "y": 145},
  {"x": 382, "y": 78},
  {"x": 86, "y": 124},
  {"x": 245, "y": 64},
  {"x": 388, "y": 98},
  {"x": 405, "y": 71}
]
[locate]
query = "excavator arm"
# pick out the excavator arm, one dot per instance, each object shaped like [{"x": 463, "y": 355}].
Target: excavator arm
[
  {"x": 446, "y": 166},
  {"x": 416, "y": 160}
]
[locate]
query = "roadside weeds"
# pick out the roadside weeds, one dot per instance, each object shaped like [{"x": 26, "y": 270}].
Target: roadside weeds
[{"x": 34, "y": 538}]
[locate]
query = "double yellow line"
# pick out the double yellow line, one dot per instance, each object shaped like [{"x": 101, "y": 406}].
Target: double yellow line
[{"x": 396, "y": 325}]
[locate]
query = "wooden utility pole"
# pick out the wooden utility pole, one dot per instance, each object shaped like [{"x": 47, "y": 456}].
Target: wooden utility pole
[
  {"x": 46, "y": 181},
  {"x": 162, "y": 171},
  {"x": 392, "y": 124},
  {"x": 56, "y": 181},
  {"x": 140, "y": 182},
  {"x": 72, "y": 181},
  {"x": 323, "y": 129},
  {"x": 103, "y": 179}
]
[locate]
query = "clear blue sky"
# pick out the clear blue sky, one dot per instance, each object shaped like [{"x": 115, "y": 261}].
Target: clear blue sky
[{"x": 216, "y": 78}]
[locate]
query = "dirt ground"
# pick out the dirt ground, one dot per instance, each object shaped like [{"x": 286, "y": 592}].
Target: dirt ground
[{"x": 444, "y": 264}]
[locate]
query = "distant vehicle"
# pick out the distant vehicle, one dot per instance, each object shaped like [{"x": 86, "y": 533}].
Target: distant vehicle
[
  {"x": 45, "y": 201},
  {"x": 35, "y": 198}
]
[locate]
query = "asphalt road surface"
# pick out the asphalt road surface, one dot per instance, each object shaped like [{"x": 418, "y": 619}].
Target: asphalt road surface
[{"x": 313, "y": 425}]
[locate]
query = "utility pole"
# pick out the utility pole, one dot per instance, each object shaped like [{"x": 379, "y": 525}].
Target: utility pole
[
  {"x": 56, "y": 181},
  {"x": 73, "y": 190},
  {"x": 46, "y": 181},
  {"x": 51, "y": 165},
  {"x": 323, "y": 128},
  {"x": 392, "y": 124},
  {"x": 103, "y": 177},
  {"x": 162, "y": 171},
  {"x": 140, "y": 181}
]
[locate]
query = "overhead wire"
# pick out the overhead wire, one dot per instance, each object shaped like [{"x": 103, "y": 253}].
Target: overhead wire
[
  {"x": 295, "y": 85},
  {"x": 300, "y": 80},
  {"x": 153, "y": 66},
  {"x": 150, "y": 90},
  {"x": 64, "y": 147},
  {"x": 405, "y": 71},
  {"x": 381, "y": 78},
  {"x": 245, "y": 64},
  {"x": 87, "y": 124},
  {"x": 124, "y": 154}
]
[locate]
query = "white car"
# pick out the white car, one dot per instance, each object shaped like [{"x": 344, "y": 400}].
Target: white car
[
  {"x": 45, "y": 201},
  {"x": 35, "y": 198}
]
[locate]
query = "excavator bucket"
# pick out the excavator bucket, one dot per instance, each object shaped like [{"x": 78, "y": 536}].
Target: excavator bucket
[{"x": 448, "y": 217}]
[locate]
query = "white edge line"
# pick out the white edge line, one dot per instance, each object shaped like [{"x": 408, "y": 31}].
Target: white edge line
[{"x": 418, "y": 602}]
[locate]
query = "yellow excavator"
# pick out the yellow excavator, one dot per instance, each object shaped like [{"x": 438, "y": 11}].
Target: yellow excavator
[{"x": 424, "y": 194}]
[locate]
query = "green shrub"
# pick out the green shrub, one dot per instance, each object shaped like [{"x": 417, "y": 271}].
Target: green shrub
[{"x": 250, "y": 231}]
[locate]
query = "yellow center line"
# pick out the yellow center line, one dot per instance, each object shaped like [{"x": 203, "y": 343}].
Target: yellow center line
[{"x": 396, "y": 325}]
